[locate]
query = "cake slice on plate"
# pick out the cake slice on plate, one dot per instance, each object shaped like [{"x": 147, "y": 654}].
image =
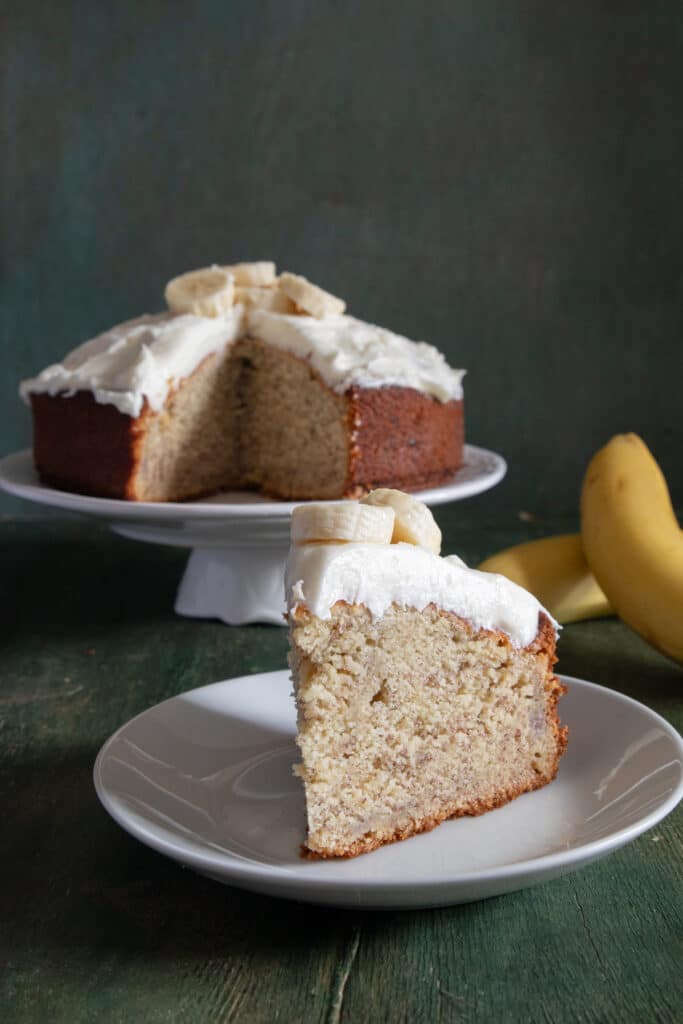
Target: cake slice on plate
[{"x": 424, "y": 689}]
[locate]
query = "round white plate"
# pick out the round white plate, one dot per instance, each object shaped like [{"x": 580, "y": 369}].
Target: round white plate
[
  {"x": 481, "y": 470},
  {"x": 205, "y": 778}
]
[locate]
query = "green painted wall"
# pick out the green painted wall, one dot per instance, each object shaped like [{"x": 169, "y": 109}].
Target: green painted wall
[{"x": 501, "y": 179}]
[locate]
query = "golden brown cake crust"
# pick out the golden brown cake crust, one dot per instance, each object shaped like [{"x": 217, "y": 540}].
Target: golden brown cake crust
[
  {"x": 80, "y": 445},
  {"x": 397, "y": 437},
  {"x": 402, "y": 438}
]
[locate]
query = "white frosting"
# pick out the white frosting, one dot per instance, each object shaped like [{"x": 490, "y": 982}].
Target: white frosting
[
  {"x": 379, "y": 575},
  {"x": 141, "y": 359},
  {"x": 345, "y": 351}
]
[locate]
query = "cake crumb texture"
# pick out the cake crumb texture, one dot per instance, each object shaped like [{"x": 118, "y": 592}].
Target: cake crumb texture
[
  {"x": 416, "y": 717},
  {"x": 250, "y": 416}
]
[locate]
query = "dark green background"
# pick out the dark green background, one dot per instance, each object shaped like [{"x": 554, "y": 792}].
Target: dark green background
[{"x": 501, "y": 179}]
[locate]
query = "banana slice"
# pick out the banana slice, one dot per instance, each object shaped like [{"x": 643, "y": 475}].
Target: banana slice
[
  {"x": 258, "y": 275},
  {"x": 206, "y": 292},
  {"x": 271, "y": 300},
  {"x": 414, "y": 523},
  {"x": 346, "y": 521},
  {"x": 309, "y": 297}
]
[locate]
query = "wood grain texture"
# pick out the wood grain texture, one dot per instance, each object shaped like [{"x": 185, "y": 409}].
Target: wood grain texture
[{"x": 96, "y": 927}]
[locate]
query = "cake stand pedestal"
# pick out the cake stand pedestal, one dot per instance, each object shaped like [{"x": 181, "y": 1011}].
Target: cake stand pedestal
[
  {"x": 239, "y": 580},
  {"x": 237, "y": 586},
  {"x": 239, "y": 540}
]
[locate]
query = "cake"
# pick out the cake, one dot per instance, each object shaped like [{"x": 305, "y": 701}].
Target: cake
[
  {"x": 424, "y": 689},
  {"x": 249, "y": 380}
]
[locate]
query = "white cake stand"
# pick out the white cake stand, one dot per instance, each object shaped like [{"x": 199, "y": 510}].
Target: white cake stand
[{"x": 239, "y": 540}]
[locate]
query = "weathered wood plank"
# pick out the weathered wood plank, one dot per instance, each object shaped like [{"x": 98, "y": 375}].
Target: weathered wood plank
[{"x": 95, "y": 927}]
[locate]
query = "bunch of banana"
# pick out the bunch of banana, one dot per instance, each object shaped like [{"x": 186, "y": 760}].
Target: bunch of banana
[
  {"x": 628, "y": 558},
  {"x": 633, "y": 542},
  {"x": 383, "y": 516},
  {"x": 556, "y": 572}
]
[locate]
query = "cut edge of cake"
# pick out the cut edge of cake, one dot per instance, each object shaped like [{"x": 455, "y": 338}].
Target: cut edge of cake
[
  {"x": 409, "y": 716},
  {"x": 215, "y": 394}
]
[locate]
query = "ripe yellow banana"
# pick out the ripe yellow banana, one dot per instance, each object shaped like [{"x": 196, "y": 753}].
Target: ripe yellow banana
[
  {"x": 556, "y": 572},
  {"x": 633, "y": 542}
]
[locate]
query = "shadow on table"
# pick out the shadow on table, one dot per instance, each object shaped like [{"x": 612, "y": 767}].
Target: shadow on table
[
  {"x": 80, "y": 884},
  {"x": 61, "y": 585}
]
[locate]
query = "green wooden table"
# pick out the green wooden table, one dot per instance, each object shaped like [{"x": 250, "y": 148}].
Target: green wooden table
[{"x": 96, "y": 927}]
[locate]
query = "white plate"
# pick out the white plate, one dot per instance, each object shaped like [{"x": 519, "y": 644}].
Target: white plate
[
  {"x": 481, "y": 470},
  {"x": 205, "y": 778}
]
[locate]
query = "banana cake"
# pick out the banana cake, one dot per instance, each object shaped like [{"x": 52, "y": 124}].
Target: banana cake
[
  {"x": 424, "y": 689},
  {"x": 248, "y": 380}
]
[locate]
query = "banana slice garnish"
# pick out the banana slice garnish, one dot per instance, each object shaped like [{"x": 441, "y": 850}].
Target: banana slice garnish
[
  {"x": 348, "y": 521},
  {"x": 413, "y": 523},
  {"x": 258, "y": 275},
  {"x": 271, "y": 300},
  {"x": 209, "y": 291},
  {"x": 309, "y": 298}
]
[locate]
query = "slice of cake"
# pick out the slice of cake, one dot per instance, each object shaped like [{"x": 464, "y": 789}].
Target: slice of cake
[
  {"x": 248, "y": 381},
  {"x": 424, "y": 689}
]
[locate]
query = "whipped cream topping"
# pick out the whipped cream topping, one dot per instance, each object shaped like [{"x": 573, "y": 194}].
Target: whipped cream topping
[
  {"x": 141, "y": 359},
  {"x": 380, "y": 575},
  {"x": 345, "y": 351}
]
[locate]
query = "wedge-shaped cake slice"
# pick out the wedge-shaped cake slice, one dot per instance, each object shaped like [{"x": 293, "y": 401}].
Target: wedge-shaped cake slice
[{"x": 424, "y": 689}]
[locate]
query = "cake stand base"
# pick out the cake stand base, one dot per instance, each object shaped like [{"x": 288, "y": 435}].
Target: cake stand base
[
  {"x": 237, "y": 586},
  {"x": 239, "y": 540}
]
